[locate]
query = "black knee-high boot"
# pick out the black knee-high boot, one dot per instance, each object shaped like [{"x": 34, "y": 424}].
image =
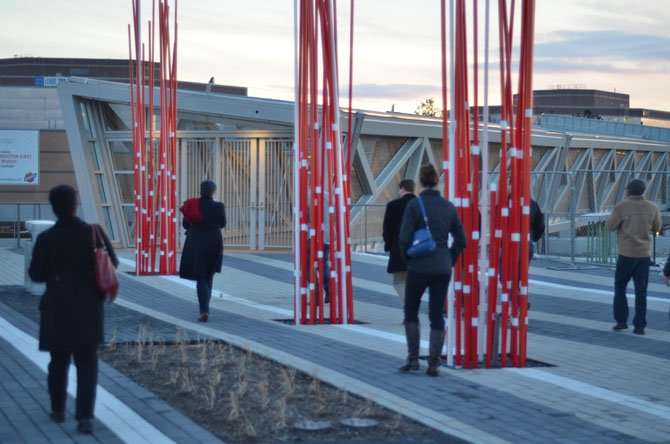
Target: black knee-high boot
[
  {"x": 413, "y": 335},
  {"x": 435, "y": 355}
]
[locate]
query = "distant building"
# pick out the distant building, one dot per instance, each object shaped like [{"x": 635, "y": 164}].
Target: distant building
[
  {"x": 46, "y": 72},
  {"x": 590, "y": 104}
]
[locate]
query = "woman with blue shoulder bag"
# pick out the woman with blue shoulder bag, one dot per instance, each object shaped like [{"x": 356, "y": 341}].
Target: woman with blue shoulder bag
[{"x": 424, "y": 244}]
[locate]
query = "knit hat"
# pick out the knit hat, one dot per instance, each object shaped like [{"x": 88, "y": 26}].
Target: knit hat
[{"x": 636, "y": 187}]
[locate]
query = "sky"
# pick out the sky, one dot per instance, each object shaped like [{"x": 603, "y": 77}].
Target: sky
[{"x": 612, "y": 45}]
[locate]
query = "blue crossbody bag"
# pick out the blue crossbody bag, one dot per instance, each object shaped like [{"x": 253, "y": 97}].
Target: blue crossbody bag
[{"x": 422, "y": 241}]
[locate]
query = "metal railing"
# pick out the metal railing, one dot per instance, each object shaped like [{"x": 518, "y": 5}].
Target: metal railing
[
  {"x": 569, "y": 201},
  {"x": 13, "y": 217}
]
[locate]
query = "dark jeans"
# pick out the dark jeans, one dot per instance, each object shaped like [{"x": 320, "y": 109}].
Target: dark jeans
[
  {"x": 437, "y": 285},
  {"x": 87, "y": 380},
  {"x": 638, "y": 269},
  {"x": 204, "y": 288}
]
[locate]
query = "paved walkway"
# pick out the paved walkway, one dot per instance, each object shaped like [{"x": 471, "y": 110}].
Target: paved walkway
[{"x": 606, "y": 386}]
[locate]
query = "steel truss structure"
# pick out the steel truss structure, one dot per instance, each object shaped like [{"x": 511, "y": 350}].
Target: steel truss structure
[{"x": 387, "y": 149}]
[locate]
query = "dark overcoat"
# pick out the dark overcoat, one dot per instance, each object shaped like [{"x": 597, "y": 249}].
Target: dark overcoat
[
  {"x": 72, "y": 313},
  {"x": 442, "y": 221},
  {"x": 392, "y": 220},
  {"x": 202, "y": 255}
]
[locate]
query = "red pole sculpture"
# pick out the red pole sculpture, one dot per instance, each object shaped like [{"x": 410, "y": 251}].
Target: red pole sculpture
[
  {"x": 321, "y": 173},
  {"x": 509, "y": 200},
  {"x": 154, "y": 167}
]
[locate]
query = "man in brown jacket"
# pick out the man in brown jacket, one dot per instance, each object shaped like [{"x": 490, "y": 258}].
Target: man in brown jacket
[{"x": 636, "y": 220}]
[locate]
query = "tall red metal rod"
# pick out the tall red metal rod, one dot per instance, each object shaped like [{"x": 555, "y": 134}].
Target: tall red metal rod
[
  {"x": 493, "y": 273},
  {"x": 312, "y": 246},
  {"x": 503, "y": 179},
  {"x": 350, "y": 157},
  {"x": 303, "y": 156},
  {"x": 461, "y": 194},
  {"x": 299, "y": 303},
  {"x": 515, "y": 212},
  {"x": 138, "y": 143},
  {"x": 146, "y": 233},
  {"x": 160, "y": 172},
  {"x": 475, "y": 190},
  {"x": 446, "y": 166},
  {"x": 318, "y": 148},
  {"x": 527, "y": 58},
  {"x": 172, "y": 179},
  {"x": 321, "y": 224},
  {"x": 136, "y": 162},
  {"x": 470, "y": 281},
  {"x": 148, "y": 166},
  {"x": 328, "y": 107}
]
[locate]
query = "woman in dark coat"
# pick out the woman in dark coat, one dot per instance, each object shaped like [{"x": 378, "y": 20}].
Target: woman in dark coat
[
  {"x": 432, "y": 271},
  {"x": 71, "y": 321},
  {"x": 202, "y": 255}
]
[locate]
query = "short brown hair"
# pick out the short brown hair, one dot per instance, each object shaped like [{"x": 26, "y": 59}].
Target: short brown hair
[
  {"x": 407, "y": 185},
  {"x": 428, "y": 176}
]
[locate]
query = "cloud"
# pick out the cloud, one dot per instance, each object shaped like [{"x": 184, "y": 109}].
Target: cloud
[{"x": 603, "y": 51}]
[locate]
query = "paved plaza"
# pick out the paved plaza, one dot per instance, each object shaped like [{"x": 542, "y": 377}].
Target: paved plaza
[{"x": 603, "y": 387}]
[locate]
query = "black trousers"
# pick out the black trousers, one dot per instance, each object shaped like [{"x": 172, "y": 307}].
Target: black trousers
[
  {"x": 204, "y": 289},
  {"x": 437, "y": 285},
  {"x": 87, "y": 381}
]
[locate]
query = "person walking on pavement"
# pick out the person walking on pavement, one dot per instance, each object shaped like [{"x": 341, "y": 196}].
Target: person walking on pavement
[
  {"x": 391, "y": 230},
  {"x": 71, "y": 309},
  {"x": 635, "y": 219},
  {"x": 202, "y": 255},
  {"x": 432, "y": 271}
]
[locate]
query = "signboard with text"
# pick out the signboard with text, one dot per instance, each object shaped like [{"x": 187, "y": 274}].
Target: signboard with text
[
  {"x": 48, "y": 81},
  {"x": 19, "y": 157}
]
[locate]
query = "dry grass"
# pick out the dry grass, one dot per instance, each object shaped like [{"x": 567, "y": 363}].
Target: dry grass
[{"x": 242, "y": 397}]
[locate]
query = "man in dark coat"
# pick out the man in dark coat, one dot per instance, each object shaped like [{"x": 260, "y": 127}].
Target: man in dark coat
[
  {"x": 202, "y": 255},
  {"x": 392, "y": 220},
  {"x": 71, "y": 321}
]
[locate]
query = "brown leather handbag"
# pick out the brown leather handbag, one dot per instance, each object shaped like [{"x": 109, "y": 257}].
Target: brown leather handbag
[{"x": 105, "y": 273}]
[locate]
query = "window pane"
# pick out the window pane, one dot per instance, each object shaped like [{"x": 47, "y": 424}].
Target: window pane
[
  {"x": 101, "y": 188},
  {"x": 122, "y": 155},
  {"x": 108, "y": 222},
  {"x": 129, "y": 216},
  {"x": 126, "y": 184},
  {"x": 117, "y": 117}
]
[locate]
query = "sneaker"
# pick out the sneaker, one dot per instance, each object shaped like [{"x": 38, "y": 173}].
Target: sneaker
[
  {"x": 619, "y": 327},
  {"x": 638, "y": 331}
]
